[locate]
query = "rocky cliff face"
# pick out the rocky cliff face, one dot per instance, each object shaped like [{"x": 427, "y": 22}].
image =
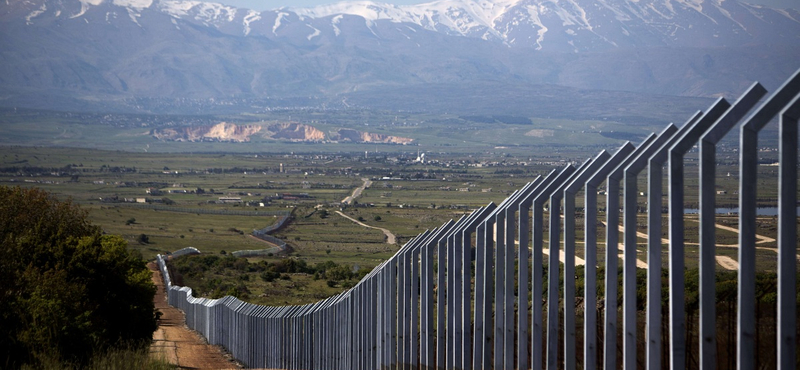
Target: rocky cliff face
[
  {"x": 366, "y": 137},
  {"x": 291, "y": 131},
  {"x": 220, "y": 132},
  {"x": 295, "y": 132}
]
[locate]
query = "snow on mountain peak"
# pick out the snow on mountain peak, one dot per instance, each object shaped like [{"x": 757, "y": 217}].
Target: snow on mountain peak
[
  {"x": 135, "y": 4},
  {"x": 200, "y": 10},
  {"x": 368, "y": 10},
  {"x": 572, "y": 25},
  {"x": 461, "y": 16}
]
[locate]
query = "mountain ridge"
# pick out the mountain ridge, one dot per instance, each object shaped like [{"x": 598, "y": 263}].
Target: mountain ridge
[
  {"x": 596, "y": 25},
  {"x": 109, "y": 51}
]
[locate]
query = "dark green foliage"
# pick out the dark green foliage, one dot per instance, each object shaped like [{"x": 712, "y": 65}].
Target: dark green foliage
[
  {"x": 270, "y": 275},
  {"x": 66, "y": 291},
  {"x": 198, "y": 271}
]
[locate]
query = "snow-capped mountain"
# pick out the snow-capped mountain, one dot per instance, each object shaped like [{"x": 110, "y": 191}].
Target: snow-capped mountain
[
  {"x": 559, "y": 25},
  {"x": 189, "y": 48},
  {"x": 584, "y": 25}
]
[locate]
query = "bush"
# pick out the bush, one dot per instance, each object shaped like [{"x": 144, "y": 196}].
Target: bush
[
  {"x": 66, "y": 290},
  {"x": 270, "y": 275}
]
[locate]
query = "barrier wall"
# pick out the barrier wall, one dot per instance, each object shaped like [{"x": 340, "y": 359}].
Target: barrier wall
[{"x": 465, "y": 313}]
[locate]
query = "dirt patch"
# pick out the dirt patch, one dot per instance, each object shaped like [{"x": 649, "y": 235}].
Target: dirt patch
[{"x": 178, "y": 344}]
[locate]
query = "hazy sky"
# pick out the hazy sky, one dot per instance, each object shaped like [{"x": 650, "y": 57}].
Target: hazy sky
[{"x": 274, "y": 4}]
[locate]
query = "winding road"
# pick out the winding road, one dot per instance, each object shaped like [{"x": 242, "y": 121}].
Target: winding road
[{"x": 390, "y": 238}]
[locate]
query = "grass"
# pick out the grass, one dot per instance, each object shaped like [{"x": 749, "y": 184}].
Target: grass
[
  {"x": 416, "y": 198},
  {"x": 122, "y": 358},
  {"x": 170, "y": 231},
  {"x": 247, "y": 279}
]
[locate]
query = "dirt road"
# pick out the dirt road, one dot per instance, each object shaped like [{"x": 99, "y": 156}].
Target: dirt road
[
  {"x": 357, "y": 191},
  {"x": 390, "y": 238},
  {"x": 177, "y": 343}
]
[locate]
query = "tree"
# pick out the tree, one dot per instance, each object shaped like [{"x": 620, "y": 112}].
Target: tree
[{"x": 66, "y": 290}]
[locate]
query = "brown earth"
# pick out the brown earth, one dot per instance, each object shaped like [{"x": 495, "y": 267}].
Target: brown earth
[
  {"x": 366, "y": 137},
  {"x": 178, "y": 344},
  {"x": 222, "y": 131},
  {"x": 293, "y": 131}
]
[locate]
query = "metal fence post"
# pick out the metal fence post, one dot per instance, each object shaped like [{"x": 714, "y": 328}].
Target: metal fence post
[
  {"x": 590, "y": 248},
  {"x": 676, "y": 230},
  {"x": 612, "y": 244},
  {"x": 542, "y": 194},
  {"x": 787, "y": 237},
  {"x": 570, "y": 191}
]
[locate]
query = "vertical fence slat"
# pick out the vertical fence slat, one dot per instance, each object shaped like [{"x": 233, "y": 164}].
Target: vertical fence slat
[
  {"x": 478, "y": 351},
  {"x": 537, "y": 245},
  {"x": 590, "y": 251},
  {"x": 499, "y": 292},
  {"x": 487, "y": 341},
  {"x": 441, "y": 336},
  {"x": 707, "y": 299},
  {"x": 676, "y": 229},
  {"x": 612, "y": 243},
  {"x": 570, "y": 191},
  {"x": 787, "y": 237},
  {"x": 540, "y": 197}
]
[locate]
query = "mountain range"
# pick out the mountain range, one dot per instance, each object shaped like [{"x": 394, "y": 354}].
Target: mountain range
[{"x": 189, "y": 56}]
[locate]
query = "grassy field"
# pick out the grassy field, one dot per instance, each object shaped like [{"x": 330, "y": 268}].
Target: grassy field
[{"x": 187, "y": 180}]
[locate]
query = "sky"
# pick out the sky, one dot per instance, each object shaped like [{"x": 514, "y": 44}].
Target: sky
[{"x": 274, "y": 4}]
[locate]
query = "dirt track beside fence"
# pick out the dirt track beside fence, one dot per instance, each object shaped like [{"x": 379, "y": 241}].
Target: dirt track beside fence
[{"x": 176, "y": 343}]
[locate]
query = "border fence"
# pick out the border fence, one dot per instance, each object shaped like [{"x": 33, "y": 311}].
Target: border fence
[{"x": 455, "y": 297}]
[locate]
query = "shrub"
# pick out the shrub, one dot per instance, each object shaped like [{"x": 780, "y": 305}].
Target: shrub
[
  {"x": 66, "y": 289},
  {"x": 270, "y": 275}
]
